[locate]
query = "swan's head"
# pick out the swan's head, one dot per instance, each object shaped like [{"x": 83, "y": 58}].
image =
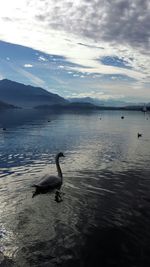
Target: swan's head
[{"x": 60, "y": 154}]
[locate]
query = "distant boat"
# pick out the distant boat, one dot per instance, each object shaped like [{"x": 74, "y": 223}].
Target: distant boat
[{"x": 144, "y": 109}]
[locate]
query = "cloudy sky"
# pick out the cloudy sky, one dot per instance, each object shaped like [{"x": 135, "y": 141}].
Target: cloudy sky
[{"x": 77, "y": 48}]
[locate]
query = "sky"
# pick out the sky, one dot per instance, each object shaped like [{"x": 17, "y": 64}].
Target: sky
[{"x": 78, "y": 48}]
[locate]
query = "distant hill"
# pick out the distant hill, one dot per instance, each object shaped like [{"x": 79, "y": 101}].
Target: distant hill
[
  {"x": 14, "y": 94},
  {"x": 27, "y": 96},
  {"x": 69, "y": 106},
  {"x": 76, "y": 106},
  {"x": 99, "y": 102},
  {"x": 4, "y": 105}
]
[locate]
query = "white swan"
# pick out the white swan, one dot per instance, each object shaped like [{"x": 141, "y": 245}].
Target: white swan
[{"x": 50, "y": 183}]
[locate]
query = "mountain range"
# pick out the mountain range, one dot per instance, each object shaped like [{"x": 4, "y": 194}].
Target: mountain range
[
  {"x": 4, "y": 105},
  {"x": 99, "y": 102},
  {"x": 27, "y": 96},
  {"x": 14, "y": 94}
]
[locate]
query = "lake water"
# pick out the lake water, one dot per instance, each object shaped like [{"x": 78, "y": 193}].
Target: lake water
[{"x": 104, "y": 218}]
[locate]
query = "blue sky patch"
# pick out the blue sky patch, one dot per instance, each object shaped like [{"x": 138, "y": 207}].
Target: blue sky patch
[{"x": 115, "y": 62}]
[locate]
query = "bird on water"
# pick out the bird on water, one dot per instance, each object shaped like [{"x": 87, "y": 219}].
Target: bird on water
[
  {"x": 51, "y": 183},
  {"x": 139, "y": 135}
]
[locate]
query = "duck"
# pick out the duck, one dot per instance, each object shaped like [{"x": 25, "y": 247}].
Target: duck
[
  {"x": 50, "y": 183},
  {"x": 139, "y": 135}
]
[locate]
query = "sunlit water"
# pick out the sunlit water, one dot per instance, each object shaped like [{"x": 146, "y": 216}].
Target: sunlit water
[{"x": 104, "y": 218}]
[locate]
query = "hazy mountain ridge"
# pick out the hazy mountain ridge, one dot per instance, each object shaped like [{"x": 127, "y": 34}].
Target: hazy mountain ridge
[
  {"x": 14, "y": 94},
  {"x": 4, "y": 105},
  {"x": 27, "y": 96},
  {"x": 106, "y": 103},
  {"x": 77, "y": 106},
  {"x": 69, "y": 106}
]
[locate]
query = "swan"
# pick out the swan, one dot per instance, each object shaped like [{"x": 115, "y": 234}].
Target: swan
[{"x": 50, "y": 182}]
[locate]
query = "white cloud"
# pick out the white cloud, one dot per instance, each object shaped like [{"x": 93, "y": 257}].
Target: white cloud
[
  {"x": 1, "y": 77},
  {"x": 83, "y": 32},
  {"x": 95, "y": 20},
  {"x": 61, "y": 67},
  {"x": 94, "y": 94},
  {"x": 28, "y": 65},
  {"x": 41, "y": 58}
]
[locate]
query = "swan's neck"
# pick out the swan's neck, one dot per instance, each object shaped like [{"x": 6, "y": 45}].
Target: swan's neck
[{"x": 58, "y": 168}]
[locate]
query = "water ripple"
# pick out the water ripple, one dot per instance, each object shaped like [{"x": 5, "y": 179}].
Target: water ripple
[{"x": 104, "y": 216}]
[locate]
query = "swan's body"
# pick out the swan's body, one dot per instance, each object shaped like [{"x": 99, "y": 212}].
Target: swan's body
[{"x": 50, "y": 182}]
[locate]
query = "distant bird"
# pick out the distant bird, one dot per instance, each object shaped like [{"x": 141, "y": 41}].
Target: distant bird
[
  {"x": 4, "y": 129},
  {"x": 51, "y": 183},
  {"x": 122, "y": 117},
  {"x": 139, "y": 135}
]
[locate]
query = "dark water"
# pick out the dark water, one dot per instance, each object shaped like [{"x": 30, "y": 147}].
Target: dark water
[{"x": 104, "y": 219}]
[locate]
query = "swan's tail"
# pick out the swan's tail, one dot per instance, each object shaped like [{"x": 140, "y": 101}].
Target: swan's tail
[
  {"x": 37, "y": 190},
  {"x": 35, "y": 186}
]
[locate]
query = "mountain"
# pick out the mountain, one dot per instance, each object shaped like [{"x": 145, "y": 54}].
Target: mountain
[
  {"x": 69, "y": 106},
  {"x": 98, "y": 102},
  {"x": 76, "y": 106},
  {"x": 4, "y": 105},
  {"x": 27, "y": 96}
]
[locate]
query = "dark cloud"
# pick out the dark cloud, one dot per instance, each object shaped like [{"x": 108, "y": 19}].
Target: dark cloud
[
  {"x": 128, "y": 22},
  {"x": 91, "y": 46},
  {"x": 40, "y": 17},
  {"x": 6, "y": 19},
  {"x": 118, "y": 21}
]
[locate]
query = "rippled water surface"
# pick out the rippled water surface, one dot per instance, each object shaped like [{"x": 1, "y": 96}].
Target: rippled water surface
[{"x": 104, "y": 218}]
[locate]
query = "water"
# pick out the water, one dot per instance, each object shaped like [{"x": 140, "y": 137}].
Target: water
[{"x": 104, "y": 218}]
